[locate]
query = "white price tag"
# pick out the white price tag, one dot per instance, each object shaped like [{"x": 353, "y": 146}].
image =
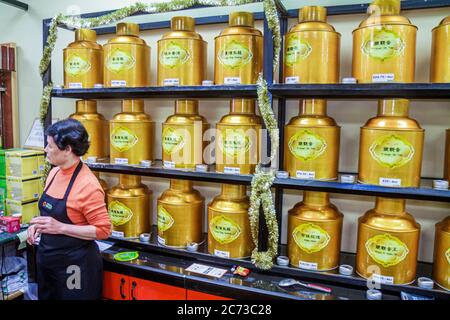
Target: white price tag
[
  {"x": 308, "y": 175},
  {"x": 161, "y": 241},
  {"x": 307, "y": 265},
  {"x": 388, "y": 182},
  {"x": 121, "y": 160},
  {"x": 292, "y": 80},
  {"x": 232, "y": 170},
  {"x": 206, "y": 270},
  {"x": 118, "y": 83},
  {"x": 169, "y": 164},
  {"x": 382, "y": 279},
  {"x": 232, "y": 80},
  {"x": 171, "y": 82},
  {"x": 117, "y": 234},
  {"x": 75, "y": 85},
  {"x": 222, "y": 254},
  {"x": 382, "y": 77}
]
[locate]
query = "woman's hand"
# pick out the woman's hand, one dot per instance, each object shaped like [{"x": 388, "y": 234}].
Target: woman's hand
[
  {"x": 47, "y": 225},
  {"x": 32, "y": 234}
]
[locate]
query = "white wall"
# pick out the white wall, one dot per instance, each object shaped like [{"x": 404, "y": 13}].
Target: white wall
[{"x": 25, "y": 28}]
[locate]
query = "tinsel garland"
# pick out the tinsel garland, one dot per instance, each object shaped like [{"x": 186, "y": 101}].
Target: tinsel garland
[
  {"x": 262, "y": 180},
  {"x": 261, "y": 194}
]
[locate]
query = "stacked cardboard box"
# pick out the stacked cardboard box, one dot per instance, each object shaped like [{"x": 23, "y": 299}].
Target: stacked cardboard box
[{"x": 24, "y": 170}]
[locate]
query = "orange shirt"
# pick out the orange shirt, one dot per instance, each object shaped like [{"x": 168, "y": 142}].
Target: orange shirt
[{"x": 86, "y": 201}]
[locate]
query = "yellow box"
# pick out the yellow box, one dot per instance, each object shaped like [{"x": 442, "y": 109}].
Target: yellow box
[
  {"x": 25, "y": 164},
  {"x": 23, "y": 190},
  {"x": 28, "y": 210},
  {"x": 41, "y": 164}
]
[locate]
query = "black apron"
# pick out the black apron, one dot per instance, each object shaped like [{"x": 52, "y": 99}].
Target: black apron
[{"x": 68, "y": 268}]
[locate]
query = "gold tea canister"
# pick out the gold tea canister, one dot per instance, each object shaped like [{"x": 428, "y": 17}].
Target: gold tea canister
[
  {"x": 447, "y": 156},
  {"x": 96, "y": 126},
  {"x": 440, "y": 52},
  {"x": 126, "y": 58},
  {"x": 384, "y": 45},
  {"x": 388, "y": 243},
  {"x": 311, "y": 51},
  {"x": 238, "y": 51},
  {"x": 83, "y": 61},
  {"x": 180, "y": 215},
  {"x": 441, "y": 260},
  {"x": 182, "y": 54},
  {"x": 391, "y": 147},
  {"x": 129, "y": 207},
  {"x": 229, "y": 234},
  {"x": 314, "y": 233},
  {"x": 182, "y": 136},
  {"x": 311, "y": 143},
  {"x": 131, "y": 134},
  {"x": 238, "y": 138}
]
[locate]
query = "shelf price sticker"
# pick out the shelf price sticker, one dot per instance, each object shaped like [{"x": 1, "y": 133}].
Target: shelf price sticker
[
  {"x": 171, "y": 82},
  {"x": 75, "y": 85},
  {"x": 390, "y": 182},
  {"x": 307, "y": 265},
  {"x": 292, "y": 80},
  {"x": 378, "y": 278},
  {"x": 306, "y": 175},
  {"x": 222, "y": 254},
  {"x": 232, "y": 80},
  {"x": 386, "y": 250},
  {"x": 232, "y": 170},
  {"x": 382, "y": 77},
  {"x": 118, "y": 83},
  {"x": 206, "y": 270}
]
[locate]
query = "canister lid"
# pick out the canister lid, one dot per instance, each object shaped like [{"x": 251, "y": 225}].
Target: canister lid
[
  {"x": 85, "y": 35},
  {"x": 127, "y": 29},
  {"x": 188, "y": 106},
  {"x": 384, "y": 7},
  {"x": 182, "y": 23},
  {"x": 240, "y": 18},
  {"x": 242, "y": 105},
  {"x": 133, "y": 105},
  {"x": 86, "y": 106},
  {"x": 312, "y": 13}
]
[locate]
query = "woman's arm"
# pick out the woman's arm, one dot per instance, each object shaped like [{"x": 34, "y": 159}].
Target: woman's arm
[{"x": 50, "y": 225}]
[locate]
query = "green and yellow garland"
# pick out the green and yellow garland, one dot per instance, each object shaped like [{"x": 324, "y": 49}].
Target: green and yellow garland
[{"x": 263, "y": 178}]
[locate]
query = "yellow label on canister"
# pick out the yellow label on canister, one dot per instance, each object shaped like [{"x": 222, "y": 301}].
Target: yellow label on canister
[
  {"x": 173, "y": 55},
  {"x": 235, "y": 55},
  {"x": 391, "y": 151},
  {"x": 234, "y": 142},
  {"x": 172, "y": 140},
  {"x": 296, "y": 49},
  {"x": 119, "y": 213},
  {"x": 123, "y": 139},
  {"x": 165, "y": 220},
  {"x": 224, "y": 230},
  {"x": 77, "y": 65},
  {"x": 306, "y": 145},
  {"x": 383, "y": 44},
  {"x": 386, "y": 250},
  {"x": 310, "y": 237},
  {"x": 120, "y": 60},
  {"x": 447, "y": 255}
]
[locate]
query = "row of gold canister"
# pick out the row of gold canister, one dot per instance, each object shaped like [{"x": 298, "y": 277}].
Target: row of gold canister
[
  {"x": 383, "y": 51},
  {"x": 387, "y": 245},
  {"x": 391, "y": 144},
  {"x": 182, "y": 55}
]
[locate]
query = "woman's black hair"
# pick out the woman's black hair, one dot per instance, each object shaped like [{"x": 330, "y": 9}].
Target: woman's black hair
[{"x": 70, "y": 132}]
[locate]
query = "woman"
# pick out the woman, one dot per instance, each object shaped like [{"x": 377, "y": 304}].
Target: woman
[{"x": 72, "y": 215}]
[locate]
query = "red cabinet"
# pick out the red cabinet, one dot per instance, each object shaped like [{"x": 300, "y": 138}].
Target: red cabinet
[
  {"x": 149, "y": 290},
  {"x": 121, "y": 287},
  {"x": 195, "y": 295}
]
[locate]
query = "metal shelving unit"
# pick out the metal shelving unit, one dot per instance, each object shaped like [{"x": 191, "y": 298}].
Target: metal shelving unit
[{"x": 281, "y": 92}]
